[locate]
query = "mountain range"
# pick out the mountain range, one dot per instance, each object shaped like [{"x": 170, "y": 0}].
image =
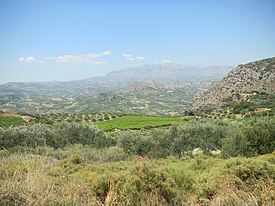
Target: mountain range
[
  {"x": 164, "y": 89},
  {"x": 149, "y": 89}
]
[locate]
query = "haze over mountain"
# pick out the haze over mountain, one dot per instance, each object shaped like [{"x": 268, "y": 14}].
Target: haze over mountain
[
  {"x": 167, "y": 72},
  {"x": 162, "y": 82},
  {"x": 157, "y": 72}
]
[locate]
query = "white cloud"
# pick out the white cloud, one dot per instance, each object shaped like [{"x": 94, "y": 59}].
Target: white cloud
[
  {"x": 139, "y": 58},
  {"x": 69, "y": 58},
  {"x": 129, "y": 57},
  {"x": 80, "y": 58},
  {"x": 29, "y": 59},
  {"x": 93, "y": 55},
  {"x": 106, "y": 53},
  {"x": 98, "y": 55},
  {"x": 126, "y": 55},
  {"x": 166, "y": 61}
]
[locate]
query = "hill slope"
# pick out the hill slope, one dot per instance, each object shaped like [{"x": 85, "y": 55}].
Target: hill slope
[{"x": 245, "y": 79}]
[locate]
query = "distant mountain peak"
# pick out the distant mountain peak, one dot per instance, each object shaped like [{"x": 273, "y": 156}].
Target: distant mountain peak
[{"x": 166, "y": 72}]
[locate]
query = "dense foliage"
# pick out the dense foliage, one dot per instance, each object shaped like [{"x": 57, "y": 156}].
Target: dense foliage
[
  {"x": 247, "y": 138},
  {"x": 53, "y": 136},
  {"x": 250, "y": 138},
  {"x": 235, "y": 138}
]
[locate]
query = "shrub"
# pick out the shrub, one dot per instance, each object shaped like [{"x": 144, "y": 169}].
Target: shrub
[
  {"x": 147, "y": 184},
  {"x": 133, "y": 143},
  {"x": 81, "y": 134},
  {"x": 250, "y": 138},
  {"x": 250, "y": 170},
  {"x": 206, "y": 136},
  {"x": 29, "y": 136},
  {"x": 113, "y": 154},
  {"x": 90, "y": 154},
  {"x": 59, "y": 136}
]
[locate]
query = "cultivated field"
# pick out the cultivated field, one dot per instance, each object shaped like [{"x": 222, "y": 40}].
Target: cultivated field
[{"x": 137, "y": 122}]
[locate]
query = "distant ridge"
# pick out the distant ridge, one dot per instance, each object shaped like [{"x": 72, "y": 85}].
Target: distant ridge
[
  {"x": 149, "y": 89},
  {"x": 257, "y": 76},
  {"x": 157, "y": 72}
]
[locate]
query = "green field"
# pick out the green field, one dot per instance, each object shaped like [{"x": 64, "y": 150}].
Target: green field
[
  {"x": 137, "y": 122},
  {"x": 6, "y": 121}
]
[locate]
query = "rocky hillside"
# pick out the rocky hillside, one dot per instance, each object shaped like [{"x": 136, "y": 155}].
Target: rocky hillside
[{"x": 241, "y": 82}]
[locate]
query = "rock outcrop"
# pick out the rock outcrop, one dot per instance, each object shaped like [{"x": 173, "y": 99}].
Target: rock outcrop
[{"x": 244, "y": 80}]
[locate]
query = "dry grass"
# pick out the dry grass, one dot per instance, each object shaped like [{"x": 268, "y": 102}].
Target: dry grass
[
  {"x": 39, "y": 180},
  {"x": 28, "y": 176}
]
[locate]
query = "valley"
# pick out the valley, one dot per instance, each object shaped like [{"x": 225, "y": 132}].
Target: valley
[
  {"x": 151, "y": 89},
  {"x": 137, "y": 103},
  {"x": 158, "y": 142}
]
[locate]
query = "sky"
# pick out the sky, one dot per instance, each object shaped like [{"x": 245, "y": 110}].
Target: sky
[{"x": 74, "y": 39}]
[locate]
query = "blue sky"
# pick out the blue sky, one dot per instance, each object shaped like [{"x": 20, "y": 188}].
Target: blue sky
[{"x": 74, "y": 39}]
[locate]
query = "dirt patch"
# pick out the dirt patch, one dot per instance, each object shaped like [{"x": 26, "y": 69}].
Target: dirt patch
[
  {"x": 26, "y": 118},
  {"x": 262, "y": 109}
]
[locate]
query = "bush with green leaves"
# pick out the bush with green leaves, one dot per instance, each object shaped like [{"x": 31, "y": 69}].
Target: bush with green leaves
[
  {"x": 54, "y": 136},
  {"x": 81, "y": 134},
  {"x": 182, "y": 139},
  {"x": 132, "y": 142},
  {"x": 29, "y": 136},
  {"x": 250, "y": 138},
  {"x": 204, "y": 135},
  {"x": 177, "y": 141}
]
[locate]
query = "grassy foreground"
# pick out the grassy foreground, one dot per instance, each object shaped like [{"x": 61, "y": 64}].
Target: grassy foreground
[
  {"x": 137, "y": 122},
  {"x": 28, "y": 179}
]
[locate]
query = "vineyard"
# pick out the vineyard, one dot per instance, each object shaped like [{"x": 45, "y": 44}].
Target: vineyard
[
  {"x": 137, "y": 122},
  {"x": 6, "y": 121}
]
